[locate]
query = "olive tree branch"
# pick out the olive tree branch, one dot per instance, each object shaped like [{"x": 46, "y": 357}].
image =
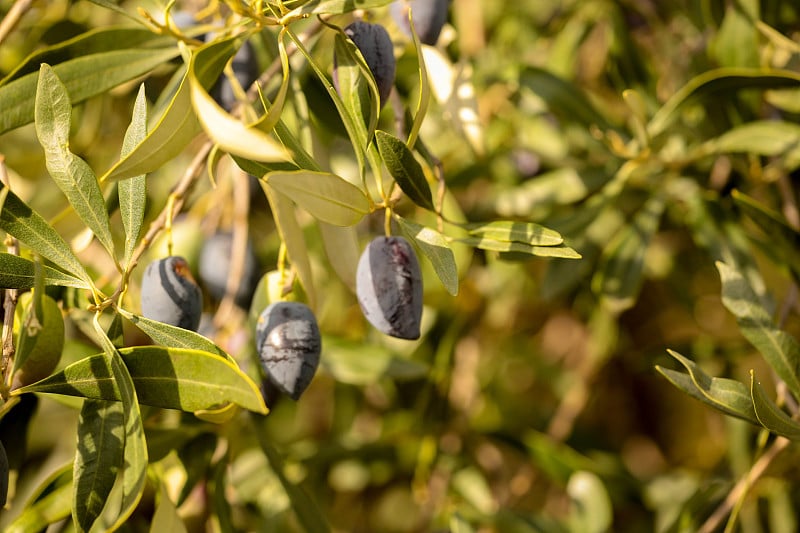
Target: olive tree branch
[{"x": 12, "y": 17}]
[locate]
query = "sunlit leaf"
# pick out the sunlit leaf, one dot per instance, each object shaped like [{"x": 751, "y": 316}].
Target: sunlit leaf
[
  {"x": 132, "y": 191},
  {"x": 173, "y": 336},
  {"x": 404, "y": 168},
  {"x": 485, "y": 243},
  {"x": 770, "y": 415},
  {"x": 356, "y": 85},
  {"x": 83, "y": 77},
  {"x": 333, "y": 7},
  {"x": 436, "y": 248},
  {"x": 591, "y": 508},
  {"x": 727, "y": 395},
  {"x": 71, "y": 173},
  {"x": 19, "y": 220},
  {"x": 779, "y": 348},
  {"x": 326, "y": 196},
  {"x": 165, "y": 517},
  {"x": 18, "y": 273},
  {"x": 342, "y": 250},
  {"x": 172, "y": 133},
  {"x": 101, "y": 439},
  {"x": 512, "y": 231}
]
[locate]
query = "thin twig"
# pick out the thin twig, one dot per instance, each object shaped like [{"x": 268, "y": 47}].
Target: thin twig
[
  {"x": 743, "y": 485},
  {"x": 12, "y": 18}
]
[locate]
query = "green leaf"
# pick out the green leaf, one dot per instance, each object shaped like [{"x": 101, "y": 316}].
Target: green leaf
[
  {"x": 134, "y": 460},
  {"x": 94, "y": 41},
  {"x": 172, "y": 336},
  {"x": 727, "y": 395},
  {"x": 101, "y": 439},
  {"x": 485, "y": 243},
  {"x": 71, "y": 173},
  {"x": 619, "y": 276},
  {"x": 436, "y": 248},
  {"x": 714, "y": 82},
  {"x": 176, "y": 128},
  {"x": 333, "y": 7},
  {"x": 328, "y": 197},
  {"x": 770, "y": 138},
  {"x": 230, "y": 134},
  {"x": 19, "y": 220},
  {"x": 404, "y": 168},
  {"x": 511, "y": 231},
  {"x": 171, "y": 378},
  {"x": 18, "y": 273},
  {"x": 780, "y": 349},
  {"x": 292, "y": 237},
  {"x": 424, "y": 86},
  {"x": 51, "y": 503},
  {"x": 356, "y": 85},
  {"x": 132, "y": 191},
  {"x": 770, "y": 415},
  {"x": 83, "y": 77}
]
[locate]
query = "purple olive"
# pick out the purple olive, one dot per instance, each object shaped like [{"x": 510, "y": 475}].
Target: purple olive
[
  {"x": 389, "y": 287},
  {"x": 429, "y": 17},
  {"x": 376, "y": 46},
  {"x": 289, "y": 345},
  {"x": 215, "y": 264},
  {"x": 170, "y": 294}
]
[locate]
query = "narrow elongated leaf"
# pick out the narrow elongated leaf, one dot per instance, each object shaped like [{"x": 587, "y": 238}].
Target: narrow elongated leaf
[
  {"x": 780, "y": 349},
  {"x": 424, "y": 86},
  {"x": 171, "y": 378},
  {"x": 84, "y": 77},
  {"x": 485, "y": 243},
  {"x": 333, "y": 7},
  {"x": 619, "y": 276},
  {"x": 770, "y": 415},
  {"x": 436, "y": 248},
  {"x": 356, "y": 85},
  {"x": 328, "y": 197},
  {"x": 19, "y": 220},
  {"x": 71, "y": 173},
  {"x": 101, "y": 439},
  {"x": 714, "y": 82},
  {"x": 166, "y": 517},
  {"x": 172, "y": 133},
  {"x": 18, "y": 273},
  {"x": 132, "y": 192},
  {"x": 292, "y": 237},
  {"x": 172, "y": 336},
  {"x": 511, "y": 231},
  {"x": 94, "y": 41},
  {"x": 727, "y": 395},
  {"x": 762, "y": 137},
  {"x": 134, "y": 460},
  {"x": 404, "y": 168},
  {"x": 230, "y": 134}
]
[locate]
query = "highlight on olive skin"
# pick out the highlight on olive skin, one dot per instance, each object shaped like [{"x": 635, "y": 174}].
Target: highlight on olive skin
[
  {"x": 429, "y": 18},
  {"x": 376, "y": 46},
  {"x": 289, "y": 346},
  {"x": 170, "y": 294},
  {"x": 389, "y": 287}
]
